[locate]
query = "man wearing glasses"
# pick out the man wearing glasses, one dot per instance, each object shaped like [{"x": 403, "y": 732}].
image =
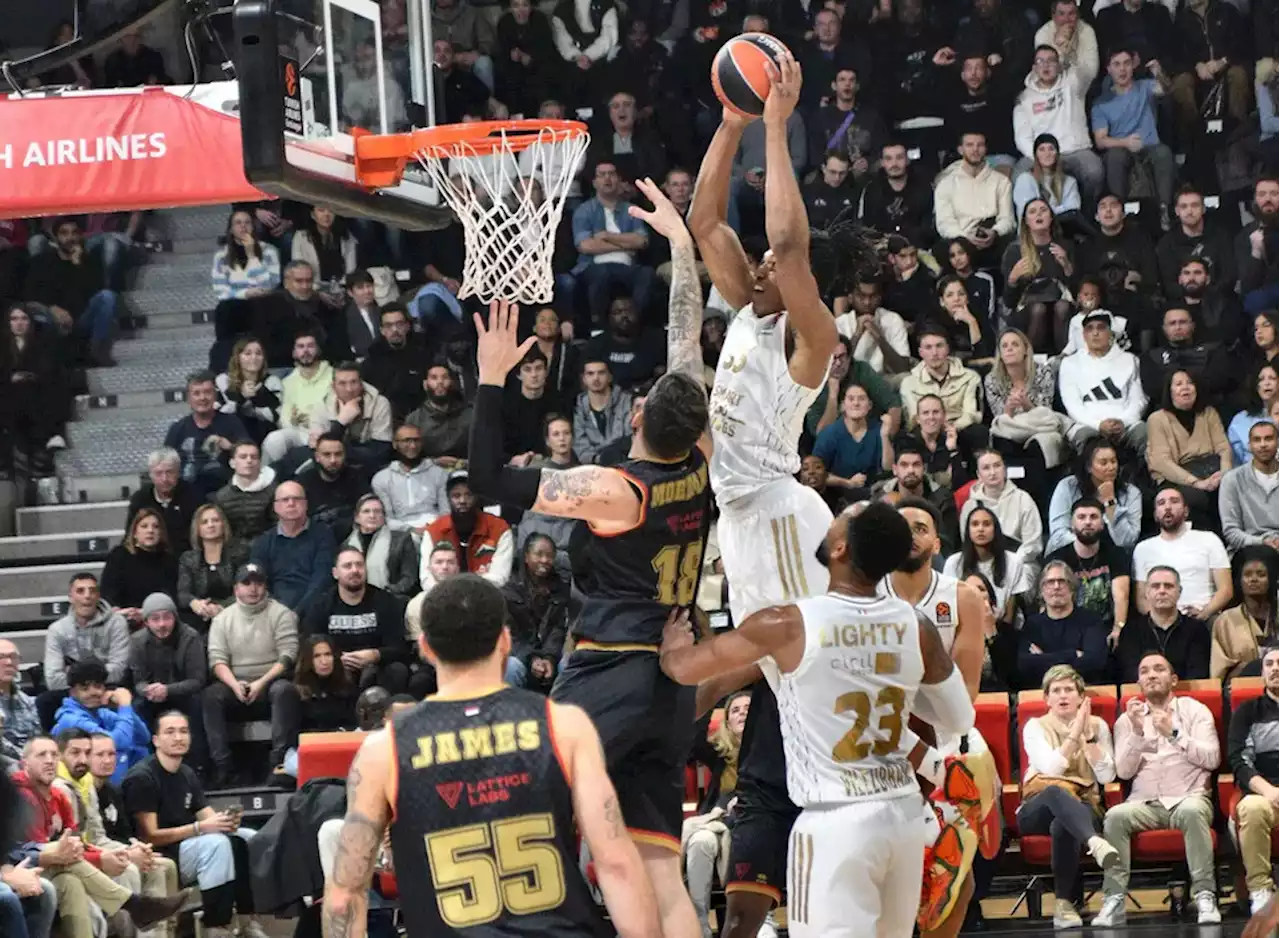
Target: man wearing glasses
[
  {"x": 17, "y": 710},
  {"x": 1063, "y": 633}
]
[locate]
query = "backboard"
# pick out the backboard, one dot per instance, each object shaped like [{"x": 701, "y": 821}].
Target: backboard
[{"x": 314, "y": 73}]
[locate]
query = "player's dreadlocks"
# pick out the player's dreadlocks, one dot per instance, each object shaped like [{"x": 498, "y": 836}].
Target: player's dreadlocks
[{"x": 843, "y": 251}]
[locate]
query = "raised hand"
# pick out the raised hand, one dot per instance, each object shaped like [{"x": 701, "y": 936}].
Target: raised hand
[
  {"x": 784, "y": 90},
  {"x": 497, "y": 351},
  {"x": 665, "y": 218}
]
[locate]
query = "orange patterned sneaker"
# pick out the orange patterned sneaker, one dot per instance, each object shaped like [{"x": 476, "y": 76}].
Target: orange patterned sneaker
[{"x": 947, "y": 863}]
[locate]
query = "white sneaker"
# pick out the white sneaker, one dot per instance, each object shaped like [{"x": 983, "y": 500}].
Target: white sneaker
[
  {"x": 1105, "y": 855},
  {"x": 56, "y": 442},
  {"x": 1207, "y": 908},
  {"x": 768, "y": 929},
  {"x": 1258, "y": 899},
  {"x": 1112, "y": 914},
  {"x": 1065, "y": 915}
]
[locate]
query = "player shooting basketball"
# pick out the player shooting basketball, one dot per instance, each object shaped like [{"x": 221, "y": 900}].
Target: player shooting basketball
[{"x": 647, "y": 520}]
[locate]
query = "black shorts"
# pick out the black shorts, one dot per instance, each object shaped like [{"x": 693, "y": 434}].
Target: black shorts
[
  {"x": 758, "y": 842},
  {"x": 646, "y": 724}
]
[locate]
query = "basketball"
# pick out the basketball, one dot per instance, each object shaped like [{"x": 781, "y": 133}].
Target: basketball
[{"x": 742, "y": 71}]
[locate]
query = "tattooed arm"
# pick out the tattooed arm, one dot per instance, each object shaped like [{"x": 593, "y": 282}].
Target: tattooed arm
[
  {"x": 628, "y": 894},
  {"x": 346, "y": 896},
  {"x": 596, "y": 494}
]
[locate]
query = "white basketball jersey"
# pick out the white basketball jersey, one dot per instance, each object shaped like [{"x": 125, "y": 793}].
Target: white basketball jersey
[
  {"x": 843, "y": 710},
  {"x": 938, "y": 604},
  {"x": 757, "y": 409}
]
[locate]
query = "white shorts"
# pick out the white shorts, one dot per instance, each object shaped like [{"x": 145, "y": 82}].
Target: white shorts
[
  {"x": 855, "y": 871},
  {"x": 769, "y": 542}
]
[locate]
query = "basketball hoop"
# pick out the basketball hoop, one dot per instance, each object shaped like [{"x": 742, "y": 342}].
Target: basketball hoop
[{"x": 505, "y": 180}]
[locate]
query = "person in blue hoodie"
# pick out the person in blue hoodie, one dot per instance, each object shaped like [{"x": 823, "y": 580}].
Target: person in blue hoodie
[{"x": 87, "y": 708}]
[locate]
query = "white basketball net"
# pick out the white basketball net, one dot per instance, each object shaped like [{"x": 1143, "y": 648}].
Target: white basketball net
[{"x": 510, "y": 204}]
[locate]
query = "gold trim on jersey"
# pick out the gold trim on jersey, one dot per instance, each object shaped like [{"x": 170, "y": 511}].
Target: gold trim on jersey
[
  {"x": 800, "y": 875},
  {"x": 786, "y": 551},
  {"x": 614, "y": 646}
]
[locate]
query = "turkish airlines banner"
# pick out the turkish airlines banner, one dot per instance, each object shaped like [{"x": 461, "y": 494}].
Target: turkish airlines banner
[{"x": 121, "y": 150}]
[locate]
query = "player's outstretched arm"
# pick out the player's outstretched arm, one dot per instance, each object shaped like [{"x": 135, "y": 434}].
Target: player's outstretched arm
[
  {"x": 711, "y": 692},
  {"x": 628, "y": 893},
  {"x": 708, "y": 215},
  {"x": 346, "y": 897},
  {"x": 968, "y": 649},
  {"x": 787, "y": 225},
  {"x": 942, "y": 699},
  {"x": 777, "y": 632},
  {"x": 599, "y": 495}
]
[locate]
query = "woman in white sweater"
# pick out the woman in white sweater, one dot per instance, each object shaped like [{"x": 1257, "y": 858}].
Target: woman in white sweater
[{"x": 1018, "y": 513}]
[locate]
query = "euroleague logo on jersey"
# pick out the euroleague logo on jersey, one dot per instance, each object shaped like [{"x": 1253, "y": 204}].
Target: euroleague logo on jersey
[{"x": 942, "y": 614}]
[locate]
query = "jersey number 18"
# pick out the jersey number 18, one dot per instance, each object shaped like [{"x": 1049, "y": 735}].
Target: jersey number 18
[{"x": 677, "y": 569}]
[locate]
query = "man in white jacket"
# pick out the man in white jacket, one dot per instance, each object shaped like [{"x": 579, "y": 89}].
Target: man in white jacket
[
  {"x": 1101, "y": 388},
  {"x": 1075, "y": 40},
  {"x": 970, "y": 193},
  {"x": 1053, "y": 103}
]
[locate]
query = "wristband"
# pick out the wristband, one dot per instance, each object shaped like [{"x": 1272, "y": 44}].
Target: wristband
[{"x": 196, "y": 825}]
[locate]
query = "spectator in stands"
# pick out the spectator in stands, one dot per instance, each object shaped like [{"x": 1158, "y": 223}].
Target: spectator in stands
[
  {"x": 1187, "y": 447},
  {"x": 526, "y": 61},
  {"x": 1247, "y": 498},
  {"x": 1118, "y": 240},
  {"x": 327, "y": 692},
  {"x": 636, "y": 355},
  {"x": 248, "y": 392},
  {"x": 982, "y": 105},
  {"x": 970, "y": 337},
  {"x": 390, "y": 554},
  {"x": 1204, "y": 571},
  {"x": 1102, "y": 567},
  {"x": 359, "y": 415},
  {"x": 1101, "y": 387},
  {"x": 168, "y": 667},
  {"x": 1144, "y": 27},
  {"x": 166, "y": 493},
  {"x": 28, "y": 902},
  {"x": 252, "y": 645},
  {"x": 910, "y": 479},
  {"x": 243, "y": 268},
  {"x": 1193, "y": 236},
  {"x": 246, "y": 500},
  {"x": 857, "y": 447},
  {"x": 1261, "y": 393},
  {"x": 72, "y": 867},
  {"x": 1018, "y": 513},
  {"x": 1068, "y": 760},
  {"x": 134, "y": 63},
  {"x": 526, "y": 406},
  {"x": 1217, "y": 49},
  {"x": 974, "y": 201},
  {"x": 365, "y": 625},
  {"x": 483, "y": 542},
  {"x": 829, "y": 195},
  {"x": 410, "y": 489},
  {"x": 142, "y": 564},
  {"x": 1253, "y": 758},
  {"x": 563, "y": 367},
  {"x": 88, "y": 708},
  {"x": 609, "y": 243},
  {"x": 1216, "y": 312},
  {"x": 442, "y": 561},
  {"x": 1045, "y": 179},
  {"x": 878, "y": 335},
  {"x": 326, "y": 245},
  {"x": 207, "y": 571},
  {"x": 1051, "y": 110},
  {"x": 941, "y": 374},
  {"x": 1183, "y": 640},
  {"x": 1265, "y": 347},
  {"x": 1257, "y": 247},
  {"x": 303, "y": 392},
  {"x": 332, "y": 486},
  {"x": 1096, "y": 476},
  {"x": 846, "y": 126},
  {"x": 90, "y": 629},
  {"x": 912, "y": 285},
  {"x": 167, "y": 802},
  {"x": 602, "y": 413},
  {"x": 444, "y": 417},
  {"x": 296, "y": 554},
  {"x": 1019, "y": 391},
  {"x": 397, "y": 362},
  {"x": 470, "y": 32},
  {"x": 1182, "y": 350},
  {"x": 986, "y": 551},
  {"x": 1037, "y": 270},
  {"x": 634, "y": 150},
  {"x": 37, "y": 400},
  {"x": 897, "y": 199},
  {"x": 1075, "y": 40},
  {"x": 362, "y": 98},
  {"x": 1246, "y": 627},
  {"x": 205, "y": 437},
  {"x": 1168, "y": 746},
  {"x": 938, "y": 443},
  {"x": 1063, "y": 634},
  {"x": 361, "y": 313},
  {"x": 813, "y": 475},
  {"x": 296, "y": 307},
  {"x": 70, "y": 283},
  {"x": 1124, "y": 125},
  {"x": 19, "y": 720}
]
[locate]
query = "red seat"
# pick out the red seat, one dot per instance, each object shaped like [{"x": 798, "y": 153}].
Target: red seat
[
  {"x": 1167, "y": 846},
  {"x": 1037, "y": 848},
  {"x": 326, "y": 755}
]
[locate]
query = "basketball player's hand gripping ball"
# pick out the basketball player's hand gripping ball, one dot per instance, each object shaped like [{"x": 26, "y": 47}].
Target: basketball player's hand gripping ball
[
  {"x": 497, "y": 348},
  {"x": 784, "y": 90}
]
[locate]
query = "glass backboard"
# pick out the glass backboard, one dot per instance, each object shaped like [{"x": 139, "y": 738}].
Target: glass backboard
[{"x": 314, "y": 72}]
